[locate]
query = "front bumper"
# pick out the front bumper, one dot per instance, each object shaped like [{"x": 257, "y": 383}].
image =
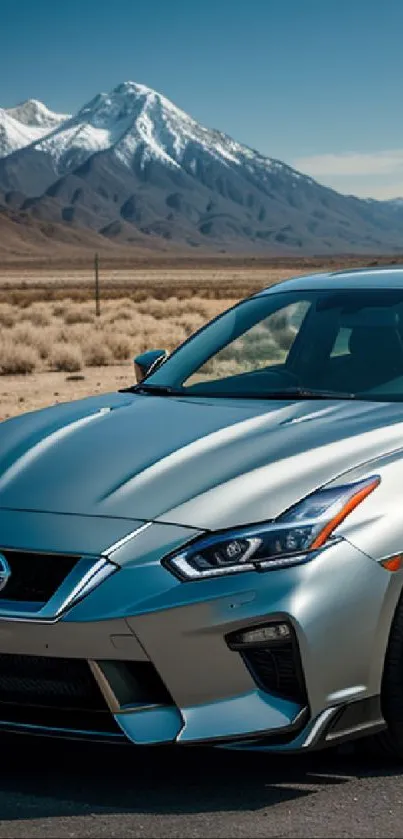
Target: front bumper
[{"x": 142, "y": 620}]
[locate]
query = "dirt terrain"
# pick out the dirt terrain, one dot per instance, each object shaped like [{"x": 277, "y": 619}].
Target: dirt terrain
[{"x": 19, "y": 394}]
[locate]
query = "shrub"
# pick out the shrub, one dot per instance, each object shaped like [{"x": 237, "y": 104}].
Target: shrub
[
  {"x": 96, "y": 352},
  {"x": 17, "y": 358},
  {"x": 120, "y": 346},
  {"x": 121, "y": 309},
  {"x": 61, "y": 306},
  {"x": 78, "y": 333},
  {"x": 8, "y": 315},
  {"x": 78, "y": 314},
  {"x": 166, "y": 335},
  {"x": 38, "y": 314},
  {"x": 119, "y": 314},
  {"x": 189, "y": 322},
  {"x": 138, "y": 325},
  {"x": 27, "y": 334},
  {"x": 158, "y": 308},
  {"x": 66, "y": 357}
]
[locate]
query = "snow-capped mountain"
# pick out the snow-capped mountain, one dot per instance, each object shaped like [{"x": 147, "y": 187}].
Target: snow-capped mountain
[
  {"x": 131, "y": 121},
  {"x": 131, "y": 164},
  {"x": 25, "y": 124}
]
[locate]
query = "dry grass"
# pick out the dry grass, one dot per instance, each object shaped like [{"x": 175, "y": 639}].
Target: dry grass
[
  {"x": 73, "y": 354},
  {"x": 65, "y": 335}
]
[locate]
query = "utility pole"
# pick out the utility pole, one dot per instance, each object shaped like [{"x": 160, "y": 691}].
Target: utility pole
[{"x": 97, "y": 298}]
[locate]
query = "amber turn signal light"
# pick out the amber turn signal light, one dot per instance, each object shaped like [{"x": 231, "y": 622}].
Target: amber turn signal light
[
  {"x": 351, "y": 504},
  {"x": 393, "y": 563}
]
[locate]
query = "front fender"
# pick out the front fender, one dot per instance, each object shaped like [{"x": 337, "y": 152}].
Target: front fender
[{"x": 376, "y": 525}]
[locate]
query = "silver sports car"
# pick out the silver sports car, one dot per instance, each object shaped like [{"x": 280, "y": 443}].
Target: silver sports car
[{"x": 215, "y": 555}]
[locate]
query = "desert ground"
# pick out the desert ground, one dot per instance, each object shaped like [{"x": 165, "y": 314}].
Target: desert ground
[{"x": 54, "y": 348}]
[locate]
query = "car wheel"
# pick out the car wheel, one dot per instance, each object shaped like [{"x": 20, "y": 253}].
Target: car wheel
[{"x": 389, "y": 742}]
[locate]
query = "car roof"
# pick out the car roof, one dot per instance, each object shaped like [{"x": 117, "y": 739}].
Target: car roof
[{"x": 356, "y": 278}]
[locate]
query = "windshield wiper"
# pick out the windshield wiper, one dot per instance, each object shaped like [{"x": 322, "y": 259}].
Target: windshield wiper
[
  {"x": 306, "y": 393},
  {"x": 287, "y": 393}
]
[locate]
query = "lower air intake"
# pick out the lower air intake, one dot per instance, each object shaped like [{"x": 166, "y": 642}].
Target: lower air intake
[{"x": 52, "y": 692}]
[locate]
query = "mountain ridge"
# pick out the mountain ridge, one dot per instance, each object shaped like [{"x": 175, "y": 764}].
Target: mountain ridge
[{"x": 131, "y": 165}]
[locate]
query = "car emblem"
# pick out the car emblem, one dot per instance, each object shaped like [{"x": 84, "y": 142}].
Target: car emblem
[{"x": 5, "y": 572}]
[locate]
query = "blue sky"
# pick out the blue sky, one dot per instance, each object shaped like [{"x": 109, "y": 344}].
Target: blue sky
[{"x": 317, "y": 83}]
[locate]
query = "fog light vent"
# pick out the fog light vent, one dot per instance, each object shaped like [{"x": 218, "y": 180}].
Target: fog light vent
[{"x": 271, "y": 655}]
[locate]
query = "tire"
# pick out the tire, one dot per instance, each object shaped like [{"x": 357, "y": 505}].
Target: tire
[{"x": 389, "y": 743}]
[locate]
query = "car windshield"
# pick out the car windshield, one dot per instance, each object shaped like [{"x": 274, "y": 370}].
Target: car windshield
[{"x": 341, "y": 343}]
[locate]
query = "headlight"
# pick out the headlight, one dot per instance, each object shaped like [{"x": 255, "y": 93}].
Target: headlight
[{"x": 289, "y": 540}]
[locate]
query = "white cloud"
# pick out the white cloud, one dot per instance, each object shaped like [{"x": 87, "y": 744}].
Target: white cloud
[
  {"x": 352, "y": 163},
  {"x": 367, "y": 174}
]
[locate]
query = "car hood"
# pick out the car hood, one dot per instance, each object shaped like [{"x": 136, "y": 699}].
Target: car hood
[{"x": 197, "y": 462}]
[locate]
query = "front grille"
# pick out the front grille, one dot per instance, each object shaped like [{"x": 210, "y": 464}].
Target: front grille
[
  {"x": 60, "y": 692},
  {"x": 34, "y": 576}
]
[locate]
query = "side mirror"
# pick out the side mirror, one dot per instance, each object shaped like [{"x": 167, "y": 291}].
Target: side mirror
[{"x": 147, "y": 362}]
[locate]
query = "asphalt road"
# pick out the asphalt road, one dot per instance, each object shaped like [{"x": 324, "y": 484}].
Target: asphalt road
[{"x": 52, "y": 789}]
